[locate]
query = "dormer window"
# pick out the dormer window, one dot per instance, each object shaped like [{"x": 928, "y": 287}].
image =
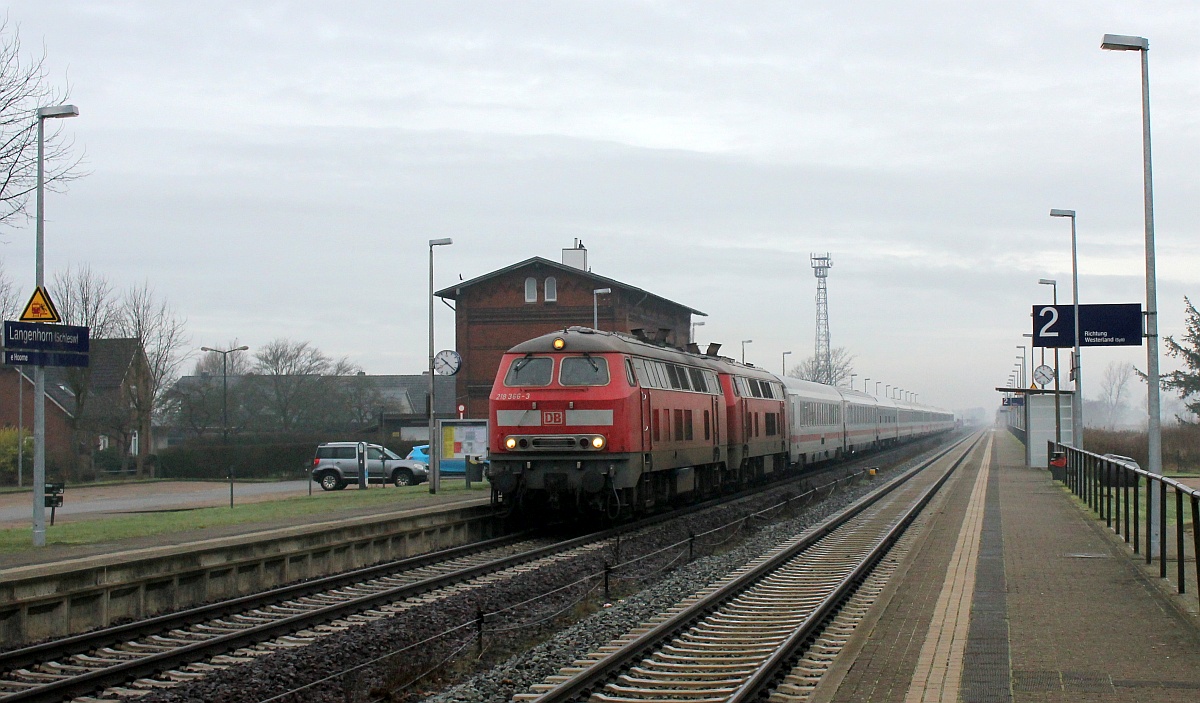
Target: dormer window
[
  {"x": 531, "y": 290},
  {"x": 551, "y": 290}
]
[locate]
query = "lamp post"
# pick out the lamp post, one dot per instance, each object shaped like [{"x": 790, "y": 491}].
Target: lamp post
[
  {"x": 435, "y": 477},
  {"x": 1077, "y": 399},
  {"x": 596, "y": 305},
  {"x": 1057, "y": 408},
  {"x": 694, "y": 326},
  {"x": 866, "y": 384},
  {"x": 887, "y": 389},
  {"x": 1024, "y": 376},
  {"x": 852, "y": 377},
  {"x": 224, "y": 386},
  {"x": 39, "y": 372},
  {"x": 744, "y": 343},
  {"x": 783, "y": 370},
  {"x": 1118, "y": 42},
  {"x": 877, "y": 388}
]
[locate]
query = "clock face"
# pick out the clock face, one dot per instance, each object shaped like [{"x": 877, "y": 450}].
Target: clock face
[{"x": 447, "y": 363}]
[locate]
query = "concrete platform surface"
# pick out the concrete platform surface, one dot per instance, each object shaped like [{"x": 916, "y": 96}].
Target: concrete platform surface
[{"x": 1015, "y": 593}]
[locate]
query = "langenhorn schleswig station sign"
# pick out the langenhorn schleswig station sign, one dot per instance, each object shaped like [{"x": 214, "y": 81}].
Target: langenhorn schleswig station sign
[{"x": 33, "y": 344}]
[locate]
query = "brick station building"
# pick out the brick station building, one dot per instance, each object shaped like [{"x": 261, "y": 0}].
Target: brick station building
[{"x": 498, "y": 310}]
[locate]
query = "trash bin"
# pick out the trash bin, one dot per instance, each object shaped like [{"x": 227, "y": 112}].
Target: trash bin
[
  {"x": 1058, "y": 466},
  {"x": 475, "y": 469}
]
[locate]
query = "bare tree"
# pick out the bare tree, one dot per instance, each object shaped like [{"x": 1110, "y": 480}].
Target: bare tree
[
  {"x": 23, "y": 89},
  {"x": 10, "y": 297},
  {"x": 300, "y": 388},
  {"x": 842, "y": 365},
  {"x": 162, "y": 337},
  {"x": 1112, "y": 389},
  {"x": 87, "y": 299}
]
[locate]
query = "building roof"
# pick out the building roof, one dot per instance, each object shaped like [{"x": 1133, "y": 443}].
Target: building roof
[{"x": 452, "y": 292}]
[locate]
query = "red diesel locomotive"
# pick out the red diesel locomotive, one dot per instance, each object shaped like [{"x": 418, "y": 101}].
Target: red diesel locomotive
[{"x": 587, "y": 421}]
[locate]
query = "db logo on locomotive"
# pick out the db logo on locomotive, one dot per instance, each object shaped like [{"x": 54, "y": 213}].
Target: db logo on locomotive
[{"x": 552, "y": 417}]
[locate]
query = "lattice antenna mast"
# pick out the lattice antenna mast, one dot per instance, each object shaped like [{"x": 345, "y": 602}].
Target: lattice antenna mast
[{"x": 822, "y": 358}]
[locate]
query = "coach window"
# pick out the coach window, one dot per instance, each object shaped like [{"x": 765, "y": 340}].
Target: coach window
[
  {"x": 687, "y": 424},
  {"x": 657, "y": 434},
  {"x": 530, "y": 371},
  {"x": 697, "y": 377},
  {"x": 551, "y": 290},
  {"x": 531, "y": 290},
  {"x": 629, "y": 373},
  {"x": 678, "y": 425},
  {"x": 707, "y": 430},
  {"x": 583, "y": 371}
]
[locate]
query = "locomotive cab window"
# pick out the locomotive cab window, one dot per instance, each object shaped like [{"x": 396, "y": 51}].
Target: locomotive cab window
[
  {"x": 583, "y": 371},
  {"x": 530, "y": 371}
]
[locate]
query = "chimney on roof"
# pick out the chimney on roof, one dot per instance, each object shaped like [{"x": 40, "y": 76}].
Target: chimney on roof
[{"x": 576, "y": 256}]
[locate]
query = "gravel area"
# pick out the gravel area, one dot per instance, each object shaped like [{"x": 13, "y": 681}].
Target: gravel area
[{"x": 383, "y": 675}]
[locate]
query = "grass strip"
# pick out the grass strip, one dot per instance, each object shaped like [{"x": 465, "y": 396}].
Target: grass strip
[{"x": 321, "y": 506}]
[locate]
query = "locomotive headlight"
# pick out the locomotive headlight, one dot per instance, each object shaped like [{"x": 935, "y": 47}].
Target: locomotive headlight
[
  {"x": 598, "y": 442},
  {"x": 559, "y": 343},
  {"x": 510, "y": 442}
]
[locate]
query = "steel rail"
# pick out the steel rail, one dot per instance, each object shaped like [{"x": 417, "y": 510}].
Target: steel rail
[
  {"x": 585, "y": 682},
  {"x": 155, "y": 663}
]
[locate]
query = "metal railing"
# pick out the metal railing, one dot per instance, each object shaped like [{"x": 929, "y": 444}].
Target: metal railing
[{"x": 1119, "y": 494}]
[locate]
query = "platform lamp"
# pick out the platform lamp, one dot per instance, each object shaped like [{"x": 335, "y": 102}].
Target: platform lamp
[
  {"x": 435, "y": 476},
  {"x": 39, "y": 371},
  {"x": 1057, "y": 407},
  {"x": 783, "y": 371},
  {"x": 1119, "y": 42},
  {"x": 694, "y": 326},
  {"x": 1077, "y": 399},
  {"x": 866, "y": 384},
  {"x": 596, "y": 305},
  {"x": 744, "y": 343},
  {"x": 852, "y": 376},
  {"x": 877, "y": 388}
]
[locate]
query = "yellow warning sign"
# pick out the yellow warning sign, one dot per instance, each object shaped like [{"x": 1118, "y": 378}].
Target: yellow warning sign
[{"x": 40, "y": 308}]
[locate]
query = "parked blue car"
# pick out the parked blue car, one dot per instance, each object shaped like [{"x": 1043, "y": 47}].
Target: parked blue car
[{"x": 447, "y": 467}]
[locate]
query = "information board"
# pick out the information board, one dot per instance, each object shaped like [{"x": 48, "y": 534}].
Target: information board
[{"x": 1113, "y": 325}]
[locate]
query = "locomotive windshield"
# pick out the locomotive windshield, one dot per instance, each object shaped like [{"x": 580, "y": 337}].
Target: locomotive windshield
[
  {"x": 583, "y": 371},
  {"x": 529, "y": 371}
]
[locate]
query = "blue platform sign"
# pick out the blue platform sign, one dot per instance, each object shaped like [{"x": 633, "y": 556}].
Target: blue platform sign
[
  {"x": 38, "y": 358},
  {"x": 1114, "y": 325},
  {"x": 46, "y": 338}
]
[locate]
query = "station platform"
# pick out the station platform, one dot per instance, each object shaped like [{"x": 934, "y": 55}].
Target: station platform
[{"x": 1015, "y": 592}]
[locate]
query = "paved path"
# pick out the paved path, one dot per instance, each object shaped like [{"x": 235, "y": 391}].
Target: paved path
[
  {"x": 16, "y": 509},
  {"x": 1015, "y": 594}
]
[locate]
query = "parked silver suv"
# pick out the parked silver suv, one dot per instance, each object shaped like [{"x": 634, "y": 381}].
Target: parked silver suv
[{"x": 336, "y": 465}]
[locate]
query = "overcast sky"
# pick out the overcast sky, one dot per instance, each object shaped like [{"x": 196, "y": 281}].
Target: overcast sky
[{"x": 276, "y": 169}]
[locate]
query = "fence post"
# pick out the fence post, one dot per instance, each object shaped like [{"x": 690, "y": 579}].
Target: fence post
[
  {"x": 607, "y": 571},
  {"x": 1137, "y": 490},
  {"x": 479, "y": 627},
  {"x": 1162, "y": 528},
  {"x": 1179, "y": 538},
  {"x": 1196, "y": 537}
]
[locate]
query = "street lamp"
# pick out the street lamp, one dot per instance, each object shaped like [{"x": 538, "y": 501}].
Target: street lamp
[
  {"x": 744, "y": 343},
  {"x": 224, "y": 386},
  {"x": 1024, "y": 375},
  {"x": 435, "y": 477},
  {"x": 866, "y": 383},
  {"x": 39, "y": 372},
  {"x": 694, "y": 326},
  {"x": 877, "y": 388},
  {"x": 783, "y": 372},
  {"x": 852, "y": 377},
  {"x": 1057, "y": 408},
  {"x": 596, "y": 305},
  {"x": 1118, "y": 42},
  {"x": 1077, "y": 399}
]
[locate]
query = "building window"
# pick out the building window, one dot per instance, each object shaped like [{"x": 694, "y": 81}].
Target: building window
[
  {"x": 551, "y": 290},
  {"x": 531, "y": 290}
]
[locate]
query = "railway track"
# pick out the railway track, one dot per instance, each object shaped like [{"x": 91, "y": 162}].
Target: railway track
[
  {"x": 140, "y": 657},
  {"x": 780, "y": 618}
]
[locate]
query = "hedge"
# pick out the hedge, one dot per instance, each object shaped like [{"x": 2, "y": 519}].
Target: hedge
[{"x": 280, "y": 459}]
